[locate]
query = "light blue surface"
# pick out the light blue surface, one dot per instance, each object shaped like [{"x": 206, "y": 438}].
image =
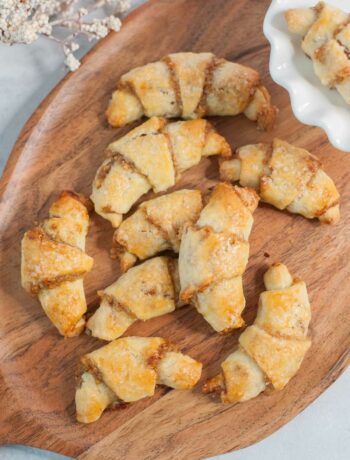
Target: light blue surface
[
  {"x": 321, "y": 432},
  {"x": 25, "y": 453}
]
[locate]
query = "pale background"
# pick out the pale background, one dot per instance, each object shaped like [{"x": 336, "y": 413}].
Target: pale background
[{"x": 321, "y": 432}]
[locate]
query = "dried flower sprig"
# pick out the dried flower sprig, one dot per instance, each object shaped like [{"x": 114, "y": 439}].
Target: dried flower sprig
[{"x": 23, "y": 21}]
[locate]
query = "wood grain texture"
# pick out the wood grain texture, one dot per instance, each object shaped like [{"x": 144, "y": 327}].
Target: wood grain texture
[{"x": 61, "y": 147}]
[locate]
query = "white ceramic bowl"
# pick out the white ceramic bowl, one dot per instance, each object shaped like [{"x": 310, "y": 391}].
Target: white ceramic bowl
[{"x": 312, "y": 103}]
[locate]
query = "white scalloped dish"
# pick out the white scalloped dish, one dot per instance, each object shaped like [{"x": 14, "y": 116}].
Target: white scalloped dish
[{"x": 312, "y": 103}]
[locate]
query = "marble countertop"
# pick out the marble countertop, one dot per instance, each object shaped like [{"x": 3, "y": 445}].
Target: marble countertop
[{"x": 321, "y": 432}]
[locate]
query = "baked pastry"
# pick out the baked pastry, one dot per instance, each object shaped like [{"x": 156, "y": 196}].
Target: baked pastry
[
  {"x": 54, "y": 263},
  {"x": 148, "y": 290},
  {"x": 214, "y": 254},
  {"x": 273, "y": 348},
  {"x": 129, "y": 369},
  {"x": 151, "y": 156},
  {"x": 326, "y": 40},
  {"x": 155, "y": 226},
  {"x": 190, "y": 85},
  {"x": 287, "y": 177}
]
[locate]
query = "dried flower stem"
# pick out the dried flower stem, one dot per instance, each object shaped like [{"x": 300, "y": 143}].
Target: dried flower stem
[{"x": 23, "y": 21}]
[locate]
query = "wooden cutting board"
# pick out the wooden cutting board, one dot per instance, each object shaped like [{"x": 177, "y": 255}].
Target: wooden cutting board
[{"x": 60, "y": 148}]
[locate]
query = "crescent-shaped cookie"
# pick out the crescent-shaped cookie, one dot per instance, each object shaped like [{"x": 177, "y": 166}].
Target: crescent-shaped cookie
[
  {"x": 214, "y": 254},
  {"x": 151, "y": 157},
  {"x": 287, "y": 177},
  {"x": 129, "y": 369},
  {"x": 146, "y": 291},
  {"x": 189, "y": 86},
  {"x": 54, "y": 263},
  {"x": 272, "y": 349},
  {"x": 326, "y": 40},
  {"x": 156, "y": 226}
]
